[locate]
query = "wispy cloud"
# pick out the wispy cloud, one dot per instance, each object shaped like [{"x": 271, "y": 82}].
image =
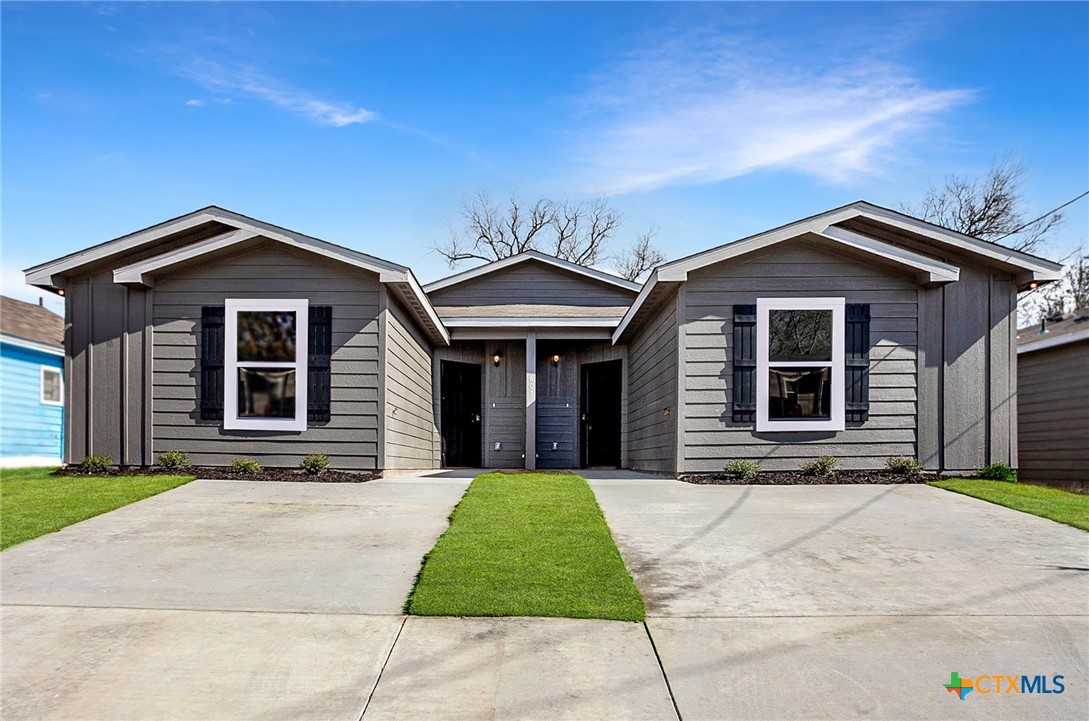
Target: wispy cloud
[
  {"x": 703, "y": 109},
  {"x": 248, "y": 81}
]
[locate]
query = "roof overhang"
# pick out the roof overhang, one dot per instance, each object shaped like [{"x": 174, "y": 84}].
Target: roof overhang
[
  {"x": 522, "y": 322},
  {"x": 31, "y": 344},
  {"x": 1053, "y": 341},
  {"x": 531, "y": 255}
]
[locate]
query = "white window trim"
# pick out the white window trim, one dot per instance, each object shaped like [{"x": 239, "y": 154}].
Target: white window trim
[
  {"x": 41, "y": 387},
  {"x": 837, "y": 415},
  {"x": 232, "y": 306}
]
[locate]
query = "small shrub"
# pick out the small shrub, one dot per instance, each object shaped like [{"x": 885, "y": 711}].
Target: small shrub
[
  {"x": 998, "y": 472},
  {"x": 245, "y": 466},
  {"x": 173, "y": 460},
  {"x": 904, "y": 465},
  {"x": 822, "y": 467},
  {"x": 743, "y": 468},
  {"x": 95, "y": 464},
  {"x": 315, "y": 463}
]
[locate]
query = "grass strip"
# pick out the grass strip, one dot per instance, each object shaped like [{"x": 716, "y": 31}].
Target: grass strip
[
  {"x": 526, "y": 544},
  {"x": 1053, "y": 503},
  {"x": 34, "y": 503}
]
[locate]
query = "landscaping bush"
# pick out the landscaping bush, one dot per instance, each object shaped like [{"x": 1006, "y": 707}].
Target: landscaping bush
[
  {"x": 173, "y": 460},
  {"x": 245, "y": 466},
  {"x": 998, "y": 472},
  {"x": 743, "y": 468},
  {"x": 315, "y": 463},
  {"x": 822, "y": 467},
  {"x": 904, "y": 465},
  {"x": 95, "y": 464}
]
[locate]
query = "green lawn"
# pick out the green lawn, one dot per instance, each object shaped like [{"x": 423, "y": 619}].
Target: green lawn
[
  {"x": 33, "y": 502},
  {"x": 1054, "y": 503},
  {"x": 526, "y": 544}
]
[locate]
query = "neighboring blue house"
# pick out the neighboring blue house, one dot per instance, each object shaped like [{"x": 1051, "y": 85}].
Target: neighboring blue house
[{"x": 31, "y": 385}]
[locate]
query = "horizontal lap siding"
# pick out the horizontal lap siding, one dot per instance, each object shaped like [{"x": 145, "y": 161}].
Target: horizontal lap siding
[
  {"x": 652, "y": 388},
  {"x": 1053, "y": 414},
  {"x": 30, "y": 427},
  {"x": 801, "y": 269},
  {"x": 350, "y": 438},
  {"x": 410, "y": 441}
]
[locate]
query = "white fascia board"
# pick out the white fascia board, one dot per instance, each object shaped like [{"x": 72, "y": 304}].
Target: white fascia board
[
  {"x": 141, "y": 272},
  {"x": 413, "y": 286},
  {"x": 648, "y": 288},
  {"x": 1053, "y": 342},
  {"x": 507, "y": 262},
  {"x": 30, "y": 344},
  {"x": 509, "y": 322},
  {"x": 936, "y": 270}
]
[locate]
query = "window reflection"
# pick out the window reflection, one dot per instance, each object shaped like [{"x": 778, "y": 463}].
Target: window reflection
[
  {"x": 799, "y": 393},
  {"x": 799, "y": 335},
  {"x": 266, "y": 392},
  {"x": 266, "y": 336}
]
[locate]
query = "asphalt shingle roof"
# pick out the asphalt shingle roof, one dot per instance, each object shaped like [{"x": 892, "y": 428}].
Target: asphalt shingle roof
[{"x": 31, "y": 322}]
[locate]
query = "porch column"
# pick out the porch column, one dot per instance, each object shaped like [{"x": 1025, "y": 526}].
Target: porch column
[{"x": 531, "y": 401}]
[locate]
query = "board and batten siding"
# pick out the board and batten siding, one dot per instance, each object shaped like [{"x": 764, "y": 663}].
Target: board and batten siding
[
  {"x": 266, "y": 270},
  {"x": 652, "y": 392},
  {"x": 1053, "y": 415},
  {"x": 515, "y": 291},
  {"x": 411, "y": 435},
  {"x": 796, "y": 268}
]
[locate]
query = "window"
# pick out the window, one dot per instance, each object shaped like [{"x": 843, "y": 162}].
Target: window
[
  {"x": 799, "y": 364},
  {"x": 264, "y": 367},
  {"x": 52, "y": 387}
]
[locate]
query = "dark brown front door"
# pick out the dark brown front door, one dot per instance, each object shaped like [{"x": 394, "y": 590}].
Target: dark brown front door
[
  {"x": 601, "y": 413},
  {"x": 459, "y": 385}
]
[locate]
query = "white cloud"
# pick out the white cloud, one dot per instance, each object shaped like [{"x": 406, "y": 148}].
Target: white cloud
[
  {"x": 194, "y": 103},
  {"x": 693, "y": 110},
  {"x": 248, "y": 81}
]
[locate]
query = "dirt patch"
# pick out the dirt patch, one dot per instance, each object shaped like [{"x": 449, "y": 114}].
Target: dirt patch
[
  {"x": 794, "y": 478},
  {"x": 223, "y": 474}
]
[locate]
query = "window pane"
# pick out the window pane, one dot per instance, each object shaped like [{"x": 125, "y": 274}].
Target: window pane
[
  {"x": 266, "y": 336},
  {"x": 799, "y": 393},
  {"x": 799, "y": 335},
  {"x": 51, "y": 386},
  {"x": 266, "y": 393}
]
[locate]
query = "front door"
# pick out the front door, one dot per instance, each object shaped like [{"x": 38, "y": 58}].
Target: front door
[
  {"x": 459, "y": 386},
  {"x": 601, "y": 385}
]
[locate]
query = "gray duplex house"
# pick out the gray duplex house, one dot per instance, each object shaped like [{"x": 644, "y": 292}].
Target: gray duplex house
[{"x": 860, "y": 333}]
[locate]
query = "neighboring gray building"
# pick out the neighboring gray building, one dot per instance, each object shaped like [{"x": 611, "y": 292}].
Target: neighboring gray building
[
  {"x": 1053, "y": 401},
  {"x": 860, "y": 333}
]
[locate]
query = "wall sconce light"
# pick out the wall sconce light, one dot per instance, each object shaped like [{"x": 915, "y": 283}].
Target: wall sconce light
[
  {"x": 496, "y": 358},
  {"x": 555, "y": 360},
  {"x": 1033, "y": 285},
  {"x": 60, "y": 291},
  {"x": 665, "y": 412}
]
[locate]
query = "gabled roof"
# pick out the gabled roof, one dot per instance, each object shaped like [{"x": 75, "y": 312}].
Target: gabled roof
[
  {"x": 1028, "y": 268},
  {"x": 1055, "y": 331},
  {"x": 31, "y": 322},
  {"x": 399, "y": 279},
  {"x": 531, "y": 255}
]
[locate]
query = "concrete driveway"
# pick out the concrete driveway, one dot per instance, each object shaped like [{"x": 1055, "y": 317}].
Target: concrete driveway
[
  {"x": 219, "y": 599},
  {"x": 852, "y": 601}
]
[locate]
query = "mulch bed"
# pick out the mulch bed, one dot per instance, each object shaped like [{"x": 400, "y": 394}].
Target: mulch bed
[
  {"x": 223, "y": 474},
  {"x": 793, "y": 478}
]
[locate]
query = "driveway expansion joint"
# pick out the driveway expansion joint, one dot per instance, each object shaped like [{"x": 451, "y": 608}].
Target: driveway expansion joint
[
  {"x": 665, "y": 676},
  {"x": 385, "y": 662}
]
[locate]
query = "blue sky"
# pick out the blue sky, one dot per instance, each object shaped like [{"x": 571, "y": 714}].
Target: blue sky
[{"x": 366, "y": 124}]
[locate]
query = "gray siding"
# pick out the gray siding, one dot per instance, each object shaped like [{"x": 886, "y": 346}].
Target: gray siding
[
  {"x": 411, "y": 436},
  {"x": 532, "y": 289},
  {"x": 797, "y": 268},
  {"x": 1053, "y": 415},
  {"x": 652, "y": 389},
  {"x": 505, "y": 405},
  {"x": 350, "y": 438},
  {"x": 557, "y": 405}
]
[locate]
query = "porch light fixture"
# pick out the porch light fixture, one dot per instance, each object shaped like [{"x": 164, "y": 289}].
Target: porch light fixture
[
  {"x": 555, "y": 360},
  {"x": 665, "y": 411},
  {"x": 496, "y": 358}
]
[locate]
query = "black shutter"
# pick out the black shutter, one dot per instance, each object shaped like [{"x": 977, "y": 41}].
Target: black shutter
[
  {"x": 744, "y": 401},
  {"x": 211, "y": 363},
  {"x": 319, "y": 364},
  {"x": 857, "y": 372}
]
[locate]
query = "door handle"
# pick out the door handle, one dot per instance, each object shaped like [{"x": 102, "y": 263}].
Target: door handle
[{"x": 476, "y": 417}]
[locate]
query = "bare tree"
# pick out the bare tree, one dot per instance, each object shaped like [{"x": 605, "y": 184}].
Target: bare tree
[
  {"x": 640, "y": 257},
  {"x": 1067, "y": 295},
  {"x": 990, "y": 207},
  {"x": 577, "y": 232}
]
